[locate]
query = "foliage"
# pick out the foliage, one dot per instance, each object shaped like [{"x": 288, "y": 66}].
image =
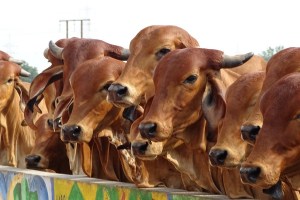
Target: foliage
[
  {"x": 32, "y": 70},
  {"x": 267, "y": 54}
]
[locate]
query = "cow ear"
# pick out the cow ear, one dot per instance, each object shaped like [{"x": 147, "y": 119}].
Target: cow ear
[
  {"x": 213, "y": 105},
  {"x": 186, "y": 41},
  {"x": 41, "y": 81},
  {"x": 23, "y": 93}
]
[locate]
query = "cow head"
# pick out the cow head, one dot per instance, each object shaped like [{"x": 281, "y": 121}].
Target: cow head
[
  {"x": 276, "y": 150},
  {"x": 182, "y": 79},
  {"x": 89, "y": 83},
  {"x": 74, "y": 54},
  {"x": 146, "y": 49},
  {"x": 10, "y": 81},
  {"x": 49, "y": 152},
  {"x": 241, "y": 97},
  {"x": 5, "y": 56}
]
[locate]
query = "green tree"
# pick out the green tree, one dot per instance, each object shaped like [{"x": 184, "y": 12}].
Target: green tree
[
  {"x": 267, "y": 54},
  {"x": 32, "y": 70}
]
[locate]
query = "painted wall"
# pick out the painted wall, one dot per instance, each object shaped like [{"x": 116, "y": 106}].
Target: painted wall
[{"x": 16, "y": 185}]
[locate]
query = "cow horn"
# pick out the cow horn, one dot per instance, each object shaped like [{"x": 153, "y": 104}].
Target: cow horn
[
  {"x": 24, "y": 73},
  {"x": 236, "y": 60},
  {"x": 55, "y": 50},
  {"x": 125, "y": 54},
  {"x": 46, "y": 53},
  {"x": 14, "y": 60}
]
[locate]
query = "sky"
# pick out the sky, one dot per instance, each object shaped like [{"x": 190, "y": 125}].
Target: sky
[{"x": 233, "y": 26}]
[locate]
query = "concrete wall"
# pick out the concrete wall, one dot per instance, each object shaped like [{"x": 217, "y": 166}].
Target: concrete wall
[{"x": 23, "y": 184}]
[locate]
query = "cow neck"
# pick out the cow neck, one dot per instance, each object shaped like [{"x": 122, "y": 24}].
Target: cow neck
[
  {"x": 108, "y": 120},
  {"x": 16, "y": 132},
  {"x": 191, "y": 157},
  {"x": 195, "y": 134},
  {"x": 13, "y": 113},
  {"x": 292, "y": 176}
]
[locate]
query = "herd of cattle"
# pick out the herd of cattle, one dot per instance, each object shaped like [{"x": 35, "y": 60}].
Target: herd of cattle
[{"x": 164, "y": 112}]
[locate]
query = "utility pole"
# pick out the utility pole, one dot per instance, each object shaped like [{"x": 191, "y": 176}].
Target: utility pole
[{"x": 74, "y": 20}]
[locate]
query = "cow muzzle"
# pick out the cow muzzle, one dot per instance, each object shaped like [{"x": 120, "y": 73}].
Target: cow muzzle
[
  {"x": 32, "y": 161},
  {"x": 117, "y": 93},
  {"x": 249, "y": 133},
  {"x": 276, "y": 191},
  {"x": 148, "y": 130},
  {"x": 250, "y": 174},
  {"x": 139, "y": 148},
  {"x": 70, "y": 133},
  {"x": 217, "y": 157}
]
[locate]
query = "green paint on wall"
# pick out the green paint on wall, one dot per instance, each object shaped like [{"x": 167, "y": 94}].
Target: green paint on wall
[
  {"x": 140, "y": 195},
  {"x": 26, "y": 194},
  {"x": 17, "y": 192},
  {"x": 75, "y": 193}
]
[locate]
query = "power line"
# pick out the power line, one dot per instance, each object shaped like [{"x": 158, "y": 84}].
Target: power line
[{"x": 74, "y": 20}]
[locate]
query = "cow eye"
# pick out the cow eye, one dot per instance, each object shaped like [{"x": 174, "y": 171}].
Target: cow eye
[
  {"x": 161, "y": 53},
  {"x": 10, "y": 80},
  {"x": 297, "y": 116},
  {"x": 106, "y": 86},
  {"x": 191, "y": 79}
]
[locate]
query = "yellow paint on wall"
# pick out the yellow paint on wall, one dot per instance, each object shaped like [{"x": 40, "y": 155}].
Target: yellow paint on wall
[
  {"x": 124, "y": 193},
  {"x": 105, "y": 194},
  {"x": 88, "y": 190},
  {"x": 62, "y": 188},
  {"x": 159, "y": 196}
]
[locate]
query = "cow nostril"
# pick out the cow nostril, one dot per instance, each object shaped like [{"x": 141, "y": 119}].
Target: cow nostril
[
  {"x": 73, "y": 130},
  {"x": 122, "y": 91},
  {"x": 147, "y": 130},
  {"x": 76, "y": 130},
  {"x": 32, "y": 159},
  {"x": 139, "y": 146},
  {"x": 118, "y": 89},
  {"x": 249, "y": 132},
  {"x": 217, "y": 156},
  {"x": 250, "y": 174}
]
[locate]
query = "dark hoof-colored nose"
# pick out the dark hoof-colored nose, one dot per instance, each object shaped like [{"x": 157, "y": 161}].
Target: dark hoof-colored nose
[
  {"x": 118, "y": 89},
  {"x": 32, "y": 161},
  {"x": 249, "y": 174},
  {"x": 217, "y": 156},
  {"x": 139, "y": 147},
  {"x": 249, "y": 132},
  {"x": 276, "y": 191},
  {"x": 71, "y": 132},
  {"x": 148, "y": 130}
]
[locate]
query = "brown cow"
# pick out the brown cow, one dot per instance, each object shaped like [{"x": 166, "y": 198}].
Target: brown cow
[
  {"x": 76, "y": 52},
  {"x": 147, "y": 48},
  {"x": 182, "y": 127},
  {"x": 7, "y": 57},
  {"x": 87, "y": 109},
  {"x": 49, "y": 152},
  {"x": 93, "y": 120},
  {"x": 276, "y": 153},
  {"x": 278, "y": 66},
  {"x": 241, "y": 97},
  {"x": 16, "y": 140}
]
